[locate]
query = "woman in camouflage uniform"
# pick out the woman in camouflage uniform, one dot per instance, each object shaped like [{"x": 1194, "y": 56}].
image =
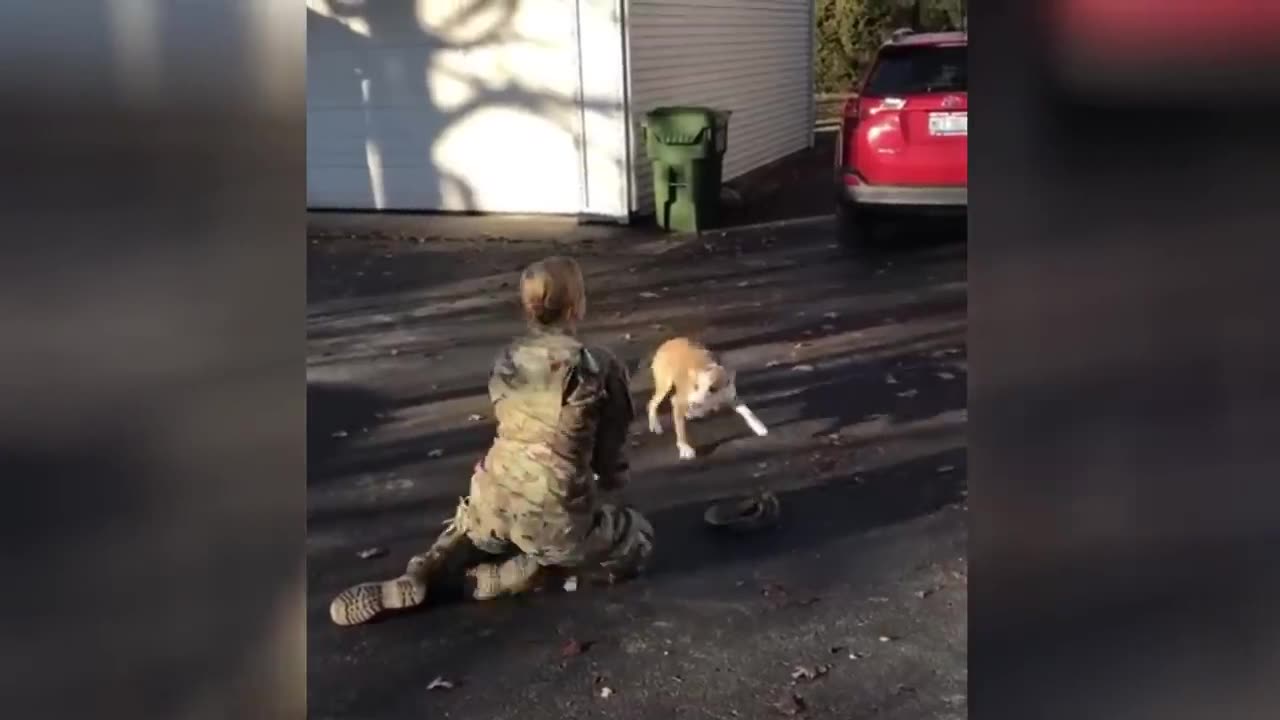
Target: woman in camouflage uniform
[{"x": 563, "y": 412}]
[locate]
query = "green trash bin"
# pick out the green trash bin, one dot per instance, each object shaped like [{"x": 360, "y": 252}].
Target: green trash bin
[{"x": 686, "y": 147}]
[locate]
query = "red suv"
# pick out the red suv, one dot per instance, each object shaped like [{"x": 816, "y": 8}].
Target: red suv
[{"x": 903, "y": 147}]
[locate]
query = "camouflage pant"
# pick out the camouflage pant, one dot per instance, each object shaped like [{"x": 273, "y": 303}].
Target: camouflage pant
[
  {"x": 614, "y": 539},
  {"x": 607, "y": 543}
]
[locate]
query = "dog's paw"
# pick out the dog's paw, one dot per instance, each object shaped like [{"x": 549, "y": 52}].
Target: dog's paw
[
  {"x": 655, "y": 426},
  {"x": 686, "y": 451}
]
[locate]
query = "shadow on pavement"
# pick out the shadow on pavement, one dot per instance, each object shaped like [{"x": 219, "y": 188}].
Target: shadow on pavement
[
  {"x": 469, "y": 640},
  {"x": 811, "y": 516},
  {"x": 336, "y": 414}
]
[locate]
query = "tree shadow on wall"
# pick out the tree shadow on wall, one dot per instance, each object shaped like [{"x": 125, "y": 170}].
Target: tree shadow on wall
[{"x": 346, "y": 75}]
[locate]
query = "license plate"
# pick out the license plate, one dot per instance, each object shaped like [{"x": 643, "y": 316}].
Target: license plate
[{"x": 949, "y": 123}]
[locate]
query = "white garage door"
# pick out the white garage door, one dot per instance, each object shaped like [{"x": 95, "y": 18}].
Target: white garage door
[{"x": 452, "y": 105}]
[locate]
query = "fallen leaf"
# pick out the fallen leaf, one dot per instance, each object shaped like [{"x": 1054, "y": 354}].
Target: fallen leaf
[
  {"x": 574, "y": 648},
  {"x": 803, "y": 673},
  {"x": 436, "y": 453},
  {"x": 909, "y": 393},
  {"x": 774, "y": 590},
  {"x": 372, "y": 552},
  {"x": 791, "y": 705},
  {"x": 440, "y": 684}
]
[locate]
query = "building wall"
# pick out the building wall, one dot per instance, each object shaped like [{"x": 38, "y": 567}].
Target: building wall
[
  {"x": 459, "y": 105},
  {"x": 753, "y": 57}
]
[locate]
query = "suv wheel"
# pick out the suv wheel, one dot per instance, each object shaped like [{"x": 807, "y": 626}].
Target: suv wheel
[{"x": 856, "y": 230}]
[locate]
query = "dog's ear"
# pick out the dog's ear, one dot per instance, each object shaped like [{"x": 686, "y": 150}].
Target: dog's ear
[
  {"x": 713, "y": 373},
  {"x": 727, "y": 377}
]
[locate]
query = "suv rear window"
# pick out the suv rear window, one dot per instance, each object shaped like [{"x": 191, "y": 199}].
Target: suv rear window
[{"x": 922, "y": 69}]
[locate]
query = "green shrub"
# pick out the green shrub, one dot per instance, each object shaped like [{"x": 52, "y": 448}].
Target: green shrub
[{"x": 848, "y": 33}]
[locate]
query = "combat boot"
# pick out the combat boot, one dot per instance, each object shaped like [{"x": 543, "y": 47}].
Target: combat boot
[
  {"x": 368, "y": 601},
  {"x": 515, "y": 575}
]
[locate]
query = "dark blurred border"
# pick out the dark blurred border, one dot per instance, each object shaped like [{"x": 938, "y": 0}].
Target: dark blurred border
[
  {"x": 1122, "y": 314},
  {"x": 151, "y": 389}
]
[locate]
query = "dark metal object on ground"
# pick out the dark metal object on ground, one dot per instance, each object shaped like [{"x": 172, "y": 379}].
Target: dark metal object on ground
[{"x": 756, "y": 512}]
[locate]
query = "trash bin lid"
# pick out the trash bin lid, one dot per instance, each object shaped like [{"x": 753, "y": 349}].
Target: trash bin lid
[{"x": 685, "y": 124}]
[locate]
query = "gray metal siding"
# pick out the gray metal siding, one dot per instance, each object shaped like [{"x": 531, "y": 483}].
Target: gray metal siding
[{"x": 753, "y": 57}]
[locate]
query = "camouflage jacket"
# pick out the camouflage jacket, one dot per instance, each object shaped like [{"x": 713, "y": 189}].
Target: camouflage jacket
[{"x": 563, "y": 413}]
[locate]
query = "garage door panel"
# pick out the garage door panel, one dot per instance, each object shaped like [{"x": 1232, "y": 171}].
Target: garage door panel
[
  {"x": 408, "y": 122},
  {"x": 339, "y": 187}
]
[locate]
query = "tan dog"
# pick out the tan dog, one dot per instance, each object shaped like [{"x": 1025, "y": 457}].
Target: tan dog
[{"x": 698, "y": 385}]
